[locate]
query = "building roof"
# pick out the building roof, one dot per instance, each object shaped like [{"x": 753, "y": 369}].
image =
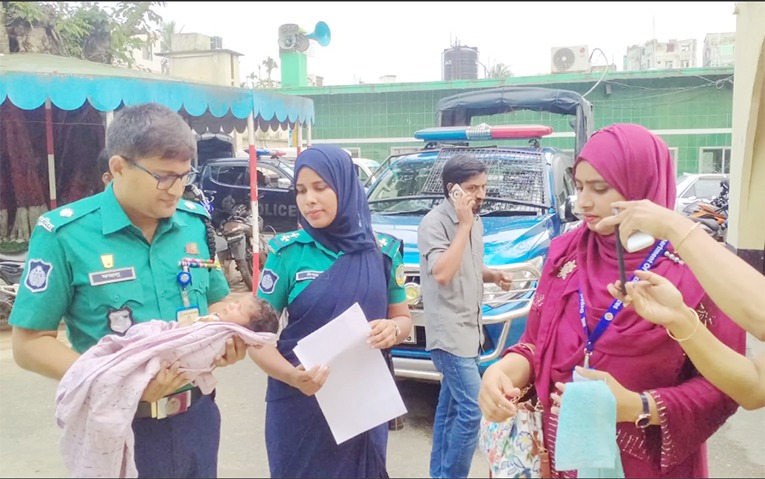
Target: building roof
[
  {"x": 197, "y": 52},
  {"x": 537, "y": 80}
]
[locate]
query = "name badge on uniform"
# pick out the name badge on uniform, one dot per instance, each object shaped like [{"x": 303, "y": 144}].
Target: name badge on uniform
[
  {"x": 187, "y": 315},
  {"x": 306, "y": 275},
  {"x": 112, "y": 276}
]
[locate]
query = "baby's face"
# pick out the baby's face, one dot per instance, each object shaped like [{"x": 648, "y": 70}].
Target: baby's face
[
  {"x": 239, "y": 311},
  {"x": 251, "y": 312}
]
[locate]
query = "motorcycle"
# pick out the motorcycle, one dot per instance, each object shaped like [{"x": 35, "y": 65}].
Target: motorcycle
[
  {"x": 10, "y": 277},
  {"x": 237, "y": 231},
  {"x": 235, "y": 228},
  {"x": 713, "y": 216}
]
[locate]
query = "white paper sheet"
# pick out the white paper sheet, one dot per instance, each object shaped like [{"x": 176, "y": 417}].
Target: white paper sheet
[{"x": 360, "y": 392}]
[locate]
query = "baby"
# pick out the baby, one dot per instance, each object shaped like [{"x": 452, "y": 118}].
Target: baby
[
  {"x": 99, "y": 397},
  {"x": 251, "y": 312}
]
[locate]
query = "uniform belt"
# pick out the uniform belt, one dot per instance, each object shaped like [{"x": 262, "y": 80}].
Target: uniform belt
[{"x": 170, "y": 405}]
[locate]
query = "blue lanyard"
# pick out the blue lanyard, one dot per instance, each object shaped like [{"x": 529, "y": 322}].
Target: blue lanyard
[{"x": 615, "y": 307}]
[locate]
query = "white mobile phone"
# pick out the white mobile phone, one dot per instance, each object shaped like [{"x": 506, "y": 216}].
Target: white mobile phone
[
  {"x": 456, "y": 192},
  {"x": 639, "y": 240}
]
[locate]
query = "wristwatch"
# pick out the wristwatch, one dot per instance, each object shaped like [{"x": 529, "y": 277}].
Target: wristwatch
[{"x": 643, "y": 420}]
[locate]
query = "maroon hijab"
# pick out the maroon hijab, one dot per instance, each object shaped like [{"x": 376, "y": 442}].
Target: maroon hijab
[{"x": 638, "y": 164}]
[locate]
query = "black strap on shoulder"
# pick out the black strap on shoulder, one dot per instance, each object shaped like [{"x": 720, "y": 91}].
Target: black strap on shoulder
[{"x": 210, "y": 236}]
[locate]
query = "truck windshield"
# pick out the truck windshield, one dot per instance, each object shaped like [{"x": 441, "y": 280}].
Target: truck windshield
[{"x": 515, "y": 183}]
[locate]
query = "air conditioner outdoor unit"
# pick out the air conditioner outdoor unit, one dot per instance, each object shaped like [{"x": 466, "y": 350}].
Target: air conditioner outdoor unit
[{"x": 570, "y": 59}]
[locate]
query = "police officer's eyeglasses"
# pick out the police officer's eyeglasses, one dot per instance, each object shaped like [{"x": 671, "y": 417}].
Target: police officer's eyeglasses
[{"x": 165, "y": 182}]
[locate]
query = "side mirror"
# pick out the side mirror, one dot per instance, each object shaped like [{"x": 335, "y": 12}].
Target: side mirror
[
  {"x": 283, "y": 183},
  {"x": 566, "y": 212}
]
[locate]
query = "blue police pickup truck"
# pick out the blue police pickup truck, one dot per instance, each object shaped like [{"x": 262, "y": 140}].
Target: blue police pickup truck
[{"x": 530, "y": 193}]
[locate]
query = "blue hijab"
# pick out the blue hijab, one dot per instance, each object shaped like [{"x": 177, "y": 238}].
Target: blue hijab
[
  {"x": 360, "y": 274},
  {"x": 351, "y": 230}
]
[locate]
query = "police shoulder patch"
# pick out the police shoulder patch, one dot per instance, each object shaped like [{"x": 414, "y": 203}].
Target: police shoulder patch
[
  {"x": 193, "y": 208},
  {"x": 57, "y": 218},
  {"x": 283, "y": 240},
  {"x": 400, "y": 275},
  {"x": 38, "y": 274},
  {"x": 388, "y": 244},
  {"x": 268, "y": 280}
]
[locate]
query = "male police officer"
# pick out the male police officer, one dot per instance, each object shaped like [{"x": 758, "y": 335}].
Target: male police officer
[{"x": 113, "y": 259}]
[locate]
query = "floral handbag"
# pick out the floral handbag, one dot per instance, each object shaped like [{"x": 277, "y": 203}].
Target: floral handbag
[{"x": 515, "y": 447}]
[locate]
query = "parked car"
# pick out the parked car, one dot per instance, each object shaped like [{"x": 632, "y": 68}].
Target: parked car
[
  {"x": 213, "y": 145},
  {"x": 692, "y": 187},
  {"x": 366, "y": 169},
  {"x": 228, "y": 181},
  {"x": 530, "y": 193}
]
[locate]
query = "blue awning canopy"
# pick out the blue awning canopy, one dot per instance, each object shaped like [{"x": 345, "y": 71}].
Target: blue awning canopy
[{"x": 28, "y": 79}]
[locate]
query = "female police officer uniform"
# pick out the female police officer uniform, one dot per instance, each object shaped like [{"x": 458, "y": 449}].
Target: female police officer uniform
[{"x": 90, "y": 266}]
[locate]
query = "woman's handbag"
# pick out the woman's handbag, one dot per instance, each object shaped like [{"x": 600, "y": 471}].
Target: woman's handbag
[{"x": 515, "y": 447}]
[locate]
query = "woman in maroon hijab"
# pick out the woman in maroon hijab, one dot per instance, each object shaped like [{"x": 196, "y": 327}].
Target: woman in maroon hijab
[{"x": 665, "y": 410}]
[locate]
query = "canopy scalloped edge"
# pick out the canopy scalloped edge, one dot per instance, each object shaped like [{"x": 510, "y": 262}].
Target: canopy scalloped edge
[{"x": 211, "y": 104}]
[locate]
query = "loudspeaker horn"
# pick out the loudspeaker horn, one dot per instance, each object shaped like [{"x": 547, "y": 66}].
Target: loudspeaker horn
[{"x": 321, "y": 34}]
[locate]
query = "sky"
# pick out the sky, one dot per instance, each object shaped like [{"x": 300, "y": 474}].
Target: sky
[{"x": 407, "y": 39}]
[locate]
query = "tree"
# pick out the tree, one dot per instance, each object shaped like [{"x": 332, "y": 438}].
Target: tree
[
  {"x": 167, "y": 30},
  {"x": 251, "y": 82},
  {"x": 270, "y": 65},
  {"x": 5, "y": 47},
  {"x": 86, "y": 30},
  {"x": 95, "y": 31},
  {"x": 500, "y": 70},
  {"x": 256, "y": 80}
]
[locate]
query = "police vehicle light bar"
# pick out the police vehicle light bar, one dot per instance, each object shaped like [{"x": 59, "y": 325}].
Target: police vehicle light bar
[
  {"x": 483, "y": 132},
  {"x": 269, "y": 152}
]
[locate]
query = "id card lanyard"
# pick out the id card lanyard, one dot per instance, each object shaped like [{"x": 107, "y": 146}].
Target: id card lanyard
[
  {"x": 615, "y": 307},
  {"x": 189, "y": 312}
]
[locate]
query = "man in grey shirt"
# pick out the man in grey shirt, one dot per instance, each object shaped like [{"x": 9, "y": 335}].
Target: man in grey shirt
[{"x": 452, "y": 274}]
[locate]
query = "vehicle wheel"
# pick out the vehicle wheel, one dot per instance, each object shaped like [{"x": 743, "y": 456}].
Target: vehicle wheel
[
  {"x": 5, "y": 313},
  {"x": 245, "y": 271},
  {"x": 244, "y": 266}
]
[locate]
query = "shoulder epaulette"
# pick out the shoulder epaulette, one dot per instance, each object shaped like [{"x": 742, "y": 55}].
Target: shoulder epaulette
[
  {"x": 282, "y": 240},
  {"x": 389, "y": 244},
  {"x": 64, "y": 215},
  {"x": 193, "y": 207}
]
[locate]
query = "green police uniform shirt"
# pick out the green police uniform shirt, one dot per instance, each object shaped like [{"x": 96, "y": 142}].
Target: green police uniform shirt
[
  {"x": 295, "y": 259},
  {"x": 90, "y": 266}
]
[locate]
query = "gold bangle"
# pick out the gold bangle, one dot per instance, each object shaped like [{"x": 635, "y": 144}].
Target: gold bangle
[
  {"x": 698, "y": 322},
  {"x": 686, "y": 235}
]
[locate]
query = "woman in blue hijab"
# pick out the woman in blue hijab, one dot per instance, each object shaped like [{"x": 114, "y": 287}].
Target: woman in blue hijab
[{"x": 317, "y": 273}]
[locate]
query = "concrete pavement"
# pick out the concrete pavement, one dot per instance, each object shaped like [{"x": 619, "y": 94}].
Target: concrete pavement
[{"x": 29, "y": 436}]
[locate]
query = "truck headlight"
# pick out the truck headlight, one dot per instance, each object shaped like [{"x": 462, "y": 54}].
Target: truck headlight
[
  {"x": 523, "y": 283},
  {"x": 413, "y": 294}
]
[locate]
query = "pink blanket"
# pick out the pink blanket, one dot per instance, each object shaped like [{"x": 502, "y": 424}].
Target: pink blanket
[{"x": 97, "y": 398}]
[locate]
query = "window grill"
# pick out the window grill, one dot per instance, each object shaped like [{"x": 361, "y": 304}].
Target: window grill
[{"x": 512, "y": 174}]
